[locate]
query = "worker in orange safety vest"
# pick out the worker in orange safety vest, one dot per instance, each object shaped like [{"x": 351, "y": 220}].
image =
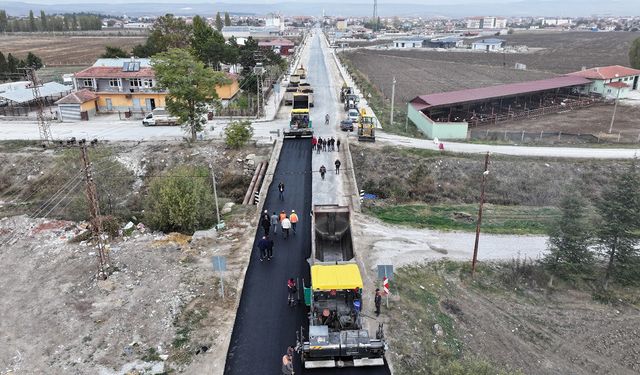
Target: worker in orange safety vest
[{"x": 294, "y": 220}]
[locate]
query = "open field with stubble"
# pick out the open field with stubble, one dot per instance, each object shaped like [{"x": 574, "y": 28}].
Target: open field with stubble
[{"x": 64, "y": 49}]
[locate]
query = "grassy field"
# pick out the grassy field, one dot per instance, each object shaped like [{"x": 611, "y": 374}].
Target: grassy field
[{"x": 495, "y": 219}]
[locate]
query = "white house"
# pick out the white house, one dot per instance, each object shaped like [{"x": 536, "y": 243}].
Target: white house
[
  {"x": 610, "y": 81},
  {"x": 409, "y": 42},
  {"x": 487, "y": 45}
]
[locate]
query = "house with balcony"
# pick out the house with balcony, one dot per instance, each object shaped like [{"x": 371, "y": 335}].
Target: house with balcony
[
  {"x": 122, "y": 85},
  {"x": 130, "y": 85}
]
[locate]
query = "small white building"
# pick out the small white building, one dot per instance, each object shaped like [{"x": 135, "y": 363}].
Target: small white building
[
  {"x": 488, "y": 45},
  {"x": 409, "y": 42},
  {"x": 610, "y": 81}
]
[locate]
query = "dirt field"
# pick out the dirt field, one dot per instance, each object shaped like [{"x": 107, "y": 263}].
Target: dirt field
[
  {"x": 491, "y": 324},
  {"x": 561, "y": 52},
  {"x": 65, "y": 49},
  {"x": 594, "y": 120},
  {"x": 160, "y": 310},
  {"x": 416, "y": 75}
]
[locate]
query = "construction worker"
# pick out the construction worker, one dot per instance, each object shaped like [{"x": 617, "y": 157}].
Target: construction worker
[
  {"x": 293, "y": 218},
  {"x": 263, "y": 244},
  {"x": 323, "y": 171},
  {"x": 338, "y": 164},
  {"x": 275, "y": 219},
  {"x": 287, "y": 365},
  {"x": 319, "y": 145},
  {"x": 282, "y": 216},
  {"x": 292, "y": 290},
  {"x": 377, "y": 300},
  {"x": 326, "y": 119},
  {"x": 281, "y": 190},
  {"x": 269, "y": 248},
  {"x": 286, "y": 225},
  {"x": 338, "y": 144},
  {"x": 265, "y": 222}
]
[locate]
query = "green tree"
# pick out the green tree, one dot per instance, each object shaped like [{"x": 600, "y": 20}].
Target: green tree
[
  {"x": 32, "y": 22},
  {"x": 219, "y": 23},
  {"x": 3, "y": 67},
  {"x": 4, "y": 21},
  {"x": 114, "y": 52},
  {"x": 180, "y": 200},
  {"x": 191, "y": 86},
  {"x": 12, "y": 64},
  {"x": 634, "y": 54},
  {"x": 570, "y": 237},
  {"x": 238, "y": 133},
  {"x": 227, "y": 19},
  {"x": 167, "y": 32},
  {"x": 74, "y": 22},
  {"x": 207, "y": 44},
  {"x": 43, "y": 21},
  {"x": 619, "y": 227},
  {"x": 33, "y": 61}
]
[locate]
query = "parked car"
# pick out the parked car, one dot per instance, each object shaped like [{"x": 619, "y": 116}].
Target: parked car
[
  {"x": 353, "y": 115},
  {"x": 160, "y": 116},
  {"x": 346, "y": 125}
]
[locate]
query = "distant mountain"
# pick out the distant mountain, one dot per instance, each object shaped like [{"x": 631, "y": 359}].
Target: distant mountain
[{"x": 546, "y": 8}]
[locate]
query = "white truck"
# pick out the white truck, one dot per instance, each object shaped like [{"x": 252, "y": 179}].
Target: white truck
[{"x": 160, "y": 116}]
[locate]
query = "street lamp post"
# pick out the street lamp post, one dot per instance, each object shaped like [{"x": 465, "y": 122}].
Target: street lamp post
[{"x": 615, "y": 106}]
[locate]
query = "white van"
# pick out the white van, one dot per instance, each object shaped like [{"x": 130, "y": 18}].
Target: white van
[{"x": 160, "y": 116}]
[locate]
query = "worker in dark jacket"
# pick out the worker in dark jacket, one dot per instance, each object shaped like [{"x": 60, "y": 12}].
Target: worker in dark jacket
[
  {"x": 265, "y": 221},
  {"x": 269, "y": 248},
  {"x": 338, "y": 164},
  {"x": 377, "y": 300},
  {"x": 263, "y": 245}
]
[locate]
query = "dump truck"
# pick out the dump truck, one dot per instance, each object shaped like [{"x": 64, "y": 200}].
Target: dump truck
[
  {"x": 351, "y": 102},
  {"x": 366, "y": 127},
  {"x": 346, "y": 90},
  {"x": 288, "y": 93},
  {"x": 336, "y": 335},
  {"x": 301, "y": 72},
  {"x": 300, "y": 121},
  {"x": 305, "y": 88}
]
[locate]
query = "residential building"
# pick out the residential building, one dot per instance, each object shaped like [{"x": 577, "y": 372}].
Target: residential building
[
  {"x": 487, "y": 45},
  {"x": 474, "y": 23},
  {"x": 556, "y": 21},
  {"x": 280, "y": 46},
  {"x": 409, "y": 42},
  {"x": 130, "y": 84},
  {"x": 122, "y": 85},
  {"x": 341, "y": 24},
  {"x": 250, "y": 31},
  {"x": 275, "y": 21},
  {"x": 610, "y": 81}
]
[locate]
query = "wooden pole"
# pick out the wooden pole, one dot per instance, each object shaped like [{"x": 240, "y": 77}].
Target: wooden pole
[{"x": 475, "y": 246}]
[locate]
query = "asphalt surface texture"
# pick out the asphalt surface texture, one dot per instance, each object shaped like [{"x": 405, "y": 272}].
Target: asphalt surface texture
[{"x": 265, "y": 325}]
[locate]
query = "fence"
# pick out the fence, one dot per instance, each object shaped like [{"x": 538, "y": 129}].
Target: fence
[{"x": 547, "y": 137}]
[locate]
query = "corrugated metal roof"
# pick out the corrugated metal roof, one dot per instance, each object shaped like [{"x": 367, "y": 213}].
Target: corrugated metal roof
[
  {"x": 26, "y": 95},
  {"x": 490, "y": 41},
  {"x": 78, "y": 97},
  {"x": 499, "y": 91},
  {"x": 606, "y": 72},
  {"x": 114, "y": 72},
  {"x": 276, "y": 42},
  {"x": 617, "y": 85}
]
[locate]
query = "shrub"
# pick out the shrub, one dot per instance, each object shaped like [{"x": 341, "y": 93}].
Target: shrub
[
  {"x": 180, "y": 200},
  {"x": 238, "y": 133}
]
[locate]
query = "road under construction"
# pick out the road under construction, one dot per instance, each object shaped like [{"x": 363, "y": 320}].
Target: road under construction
[{"x": 265, "y": 325}]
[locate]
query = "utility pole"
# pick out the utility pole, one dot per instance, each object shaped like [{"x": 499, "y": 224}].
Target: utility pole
[
  {"x": 94, "y": 214},
  {"x": 375, "y": 15},
  {"x": 219, "y": 224},
  {"x": 43, "y": 124},
  {"x": 475, "y": 246},
  {"x": 615, "y": 106},
  {"x": 393, "y": 97}
]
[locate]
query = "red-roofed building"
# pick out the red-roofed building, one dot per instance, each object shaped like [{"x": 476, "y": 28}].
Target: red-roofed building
[
  {"x": 280, "y": 46},
  {"x": 602, "y": 77},
  {"x": 79, "y": 105},
  {"x": 130, "y": 85}
]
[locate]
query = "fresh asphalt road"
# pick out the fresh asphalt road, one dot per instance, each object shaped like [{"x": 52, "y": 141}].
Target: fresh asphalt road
[{"x": 265, "y": 325}]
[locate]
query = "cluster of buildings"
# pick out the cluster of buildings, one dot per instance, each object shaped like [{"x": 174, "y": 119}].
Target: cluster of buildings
[
  {"x": 448, "y": 115},
  {"x": 489, "y": 22}
]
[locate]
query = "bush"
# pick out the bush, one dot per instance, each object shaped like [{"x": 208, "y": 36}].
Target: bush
[
  {"x": 180, "y": 200},
  {"x": 238, "y": 133}
]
